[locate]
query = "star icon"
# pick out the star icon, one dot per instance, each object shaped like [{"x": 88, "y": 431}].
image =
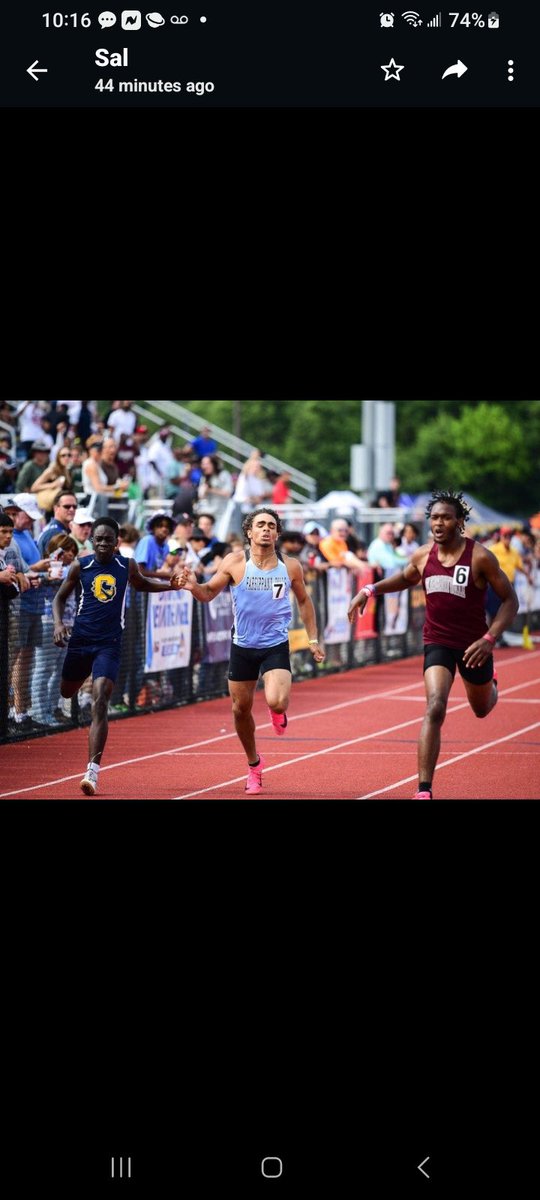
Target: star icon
[{"x": 392, "y": 73}]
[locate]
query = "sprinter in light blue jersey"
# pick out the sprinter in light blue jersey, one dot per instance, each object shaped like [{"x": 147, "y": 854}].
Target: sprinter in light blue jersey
[
  {"x": 94, "y": 645},
  {"x": 260, "y": 582}
]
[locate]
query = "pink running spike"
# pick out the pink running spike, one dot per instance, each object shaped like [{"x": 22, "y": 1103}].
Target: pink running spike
[
  {"x": 254, "y": 779},
  {"x": 422, "y": 796},
  {"x": 279, "y": 722}
]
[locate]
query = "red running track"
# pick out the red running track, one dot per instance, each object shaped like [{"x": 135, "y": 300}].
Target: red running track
[{"x": 350, "y": 736}]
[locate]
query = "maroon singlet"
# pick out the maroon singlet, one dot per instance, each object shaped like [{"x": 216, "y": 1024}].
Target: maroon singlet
[{"x": 455, "y": 612}]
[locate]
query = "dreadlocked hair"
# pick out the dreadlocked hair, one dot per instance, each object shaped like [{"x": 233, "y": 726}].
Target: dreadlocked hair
[{"x": 456, "y": 499}]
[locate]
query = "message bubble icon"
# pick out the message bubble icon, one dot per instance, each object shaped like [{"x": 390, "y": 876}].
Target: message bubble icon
[{"x": 106, "y": 19}]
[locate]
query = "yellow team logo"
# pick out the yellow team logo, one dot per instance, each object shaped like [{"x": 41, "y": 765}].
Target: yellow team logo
[{"x": 104, "y": 588}]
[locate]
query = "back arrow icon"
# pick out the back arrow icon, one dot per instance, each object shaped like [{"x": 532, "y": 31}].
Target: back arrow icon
[
  {"x": 419, "y": 1168},
  {"x": 34, "y": 70},
  {"x": 458, "y": 69}
]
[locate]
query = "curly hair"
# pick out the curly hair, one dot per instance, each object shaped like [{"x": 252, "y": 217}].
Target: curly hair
[
  {"x": 456, "y": 499},
  {"x": 248, "y": 521}
]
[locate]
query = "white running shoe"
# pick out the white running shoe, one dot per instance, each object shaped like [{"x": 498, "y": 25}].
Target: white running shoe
[{"x": 90, "y": 782}]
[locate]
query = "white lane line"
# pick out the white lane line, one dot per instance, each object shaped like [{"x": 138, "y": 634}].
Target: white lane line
[
  {"x": 317, "y": 712},
  {"x": 449, "y": 761}
]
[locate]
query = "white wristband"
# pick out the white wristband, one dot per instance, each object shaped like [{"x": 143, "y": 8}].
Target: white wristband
[{"x": 369, "y": 588}]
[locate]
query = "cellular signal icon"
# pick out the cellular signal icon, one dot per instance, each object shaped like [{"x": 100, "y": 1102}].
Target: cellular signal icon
[
  {"x": 436, "y": 22},
  {"x": 412, "y": 18}
]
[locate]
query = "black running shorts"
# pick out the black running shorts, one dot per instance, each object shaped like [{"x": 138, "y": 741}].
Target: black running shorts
[
  {"x": 246, "y": 663},
  {"x": 447, "y": 656}
]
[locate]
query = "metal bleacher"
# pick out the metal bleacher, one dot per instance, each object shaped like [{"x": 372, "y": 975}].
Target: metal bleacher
[{"x": 232, "y": 450}]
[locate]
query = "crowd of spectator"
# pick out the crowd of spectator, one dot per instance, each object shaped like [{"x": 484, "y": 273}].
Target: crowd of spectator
[{"x": 111, "y": 456}]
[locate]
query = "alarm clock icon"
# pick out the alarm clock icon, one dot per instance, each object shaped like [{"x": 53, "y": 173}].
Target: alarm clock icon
[{"x": 387, "y": 20}]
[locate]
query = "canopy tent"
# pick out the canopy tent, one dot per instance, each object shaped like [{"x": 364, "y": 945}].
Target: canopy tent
[
  {"x": 482, "y": 518},
  {"x": 344, "y": 500}
]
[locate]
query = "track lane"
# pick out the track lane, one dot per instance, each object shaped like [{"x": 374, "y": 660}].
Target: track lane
[{"x": 350, "y": 736}]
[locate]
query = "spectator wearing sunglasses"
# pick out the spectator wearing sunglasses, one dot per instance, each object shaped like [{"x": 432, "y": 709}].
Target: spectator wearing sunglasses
[
  {"x": 64, "y": 512},
  {"x": 56, "y": 475}
]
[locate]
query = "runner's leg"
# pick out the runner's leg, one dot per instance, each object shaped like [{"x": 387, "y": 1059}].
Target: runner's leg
[
  {"x": 277, "y": 689},
  {"x": 437, "y": 682},
  {"x": 97, "y": 734},
  {"x": 482, "y": 697},
  {"x": 241, "y": 693}
]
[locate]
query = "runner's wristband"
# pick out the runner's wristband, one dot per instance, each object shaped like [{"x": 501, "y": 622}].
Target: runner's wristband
[
  {"x": 488, "y": 637},
  {"x": 369, "y": 588},
  {"x": 314, "y": 641}
]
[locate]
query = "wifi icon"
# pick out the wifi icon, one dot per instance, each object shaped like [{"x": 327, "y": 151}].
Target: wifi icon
[{"x": 412, "y": 18}]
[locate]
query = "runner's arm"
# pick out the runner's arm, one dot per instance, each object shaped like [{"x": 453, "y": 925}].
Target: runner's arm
[
  {"x": 147, "y": 583},
  {"x": 305, "y": 607},
  {"x": 206, "y": 591},
  {"x": 489, "y": 567},
  {"x": 73, "y": 576},
  {"x": 407, "y": 578}
]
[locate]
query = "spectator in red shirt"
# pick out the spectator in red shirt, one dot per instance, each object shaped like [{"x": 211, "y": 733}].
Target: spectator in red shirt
[{"x": 281, "y": 493}]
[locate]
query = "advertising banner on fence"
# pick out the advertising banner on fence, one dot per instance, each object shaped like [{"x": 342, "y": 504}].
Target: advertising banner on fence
[
  {"x": 168, "y": 630},
  {"x": 396, "y": 609},
  {"x": 218, "y": 619},
  {"x": 339, "y": 597},
  {"x": 365, "y": 626},
  {"x": 527, "y": 593}
]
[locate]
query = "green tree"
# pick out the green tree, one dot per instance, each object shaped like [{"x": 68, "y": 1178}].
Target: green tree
[
  {"x": 482, "y": 450},
  {"x": 319, "y": 440}
]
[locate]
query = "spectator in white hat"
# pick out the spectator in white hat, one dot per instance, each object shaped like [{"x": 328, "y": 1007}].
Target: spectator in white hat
[
  {"x": 311, "y": 555},
  {"x": 80, "y": 530}
]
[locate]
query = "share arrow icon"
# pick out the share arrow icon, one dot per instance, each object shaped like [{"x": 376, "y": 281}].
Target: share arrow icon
[{"x": 458, "y": 69}]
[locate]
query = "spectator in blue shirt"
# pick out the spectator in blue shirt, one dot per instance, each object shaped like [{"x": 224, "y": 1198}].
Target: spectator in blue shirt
[
  {"x": 152, "y": 550},
  {"x": 382, "y": 550},
  {"x": 204, "y": 444},
  {"x": 64, "y": 512}
]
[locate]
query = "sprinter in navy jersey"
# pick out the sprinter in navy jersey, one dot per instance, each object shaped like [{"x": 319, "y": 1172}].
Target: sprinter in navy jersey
[
  {"x": 454, "y": 571},
  {"x": 260, "y": 583},
  {"x": 94, "y": 644}
]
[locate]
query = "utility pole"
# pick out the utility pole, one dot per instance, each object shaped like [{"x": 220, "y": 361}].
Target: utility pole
[{"x": 372, "y": 460}]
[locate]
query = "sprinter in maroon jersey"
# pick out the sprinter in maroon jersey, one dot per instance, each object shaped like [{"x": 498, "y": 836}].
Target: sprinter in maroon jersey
[{"x": 454, "y": 571}]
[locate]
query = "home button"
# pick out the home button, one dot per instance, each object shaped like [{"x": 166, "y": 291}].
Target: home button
[{"x": 271, "y": 1168}]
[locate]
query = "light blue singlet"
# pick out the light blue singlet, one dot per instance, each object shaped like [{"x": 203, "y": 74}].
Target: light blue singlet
[{"x": 261, "y": 607}]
